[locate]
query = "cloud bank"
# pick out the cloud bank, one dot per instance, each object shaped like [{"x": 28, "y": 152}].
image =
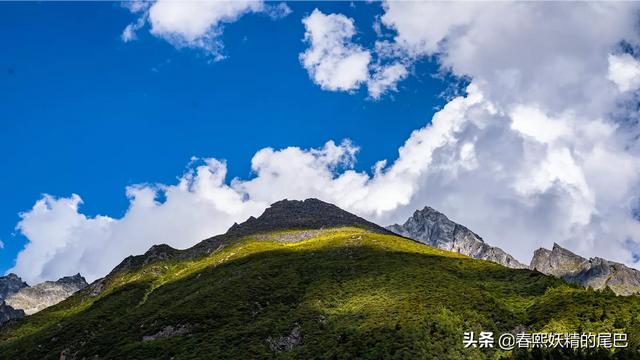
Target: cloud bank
[{"x": 541, "y": 148}]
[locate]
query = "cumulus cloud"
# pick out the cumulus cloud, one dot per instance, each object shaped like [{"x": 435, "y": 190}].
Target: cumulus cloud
[
  {"x": 336, "y": 63},
  {"x": 531, "y": 154},
  {"x": 64, "y": 241},
  {"x": 333, "y": 62},
  {"x": 195, "y": 24},
  {"x": 545, "y": 144},
  {"x": 624, "y": 71}
]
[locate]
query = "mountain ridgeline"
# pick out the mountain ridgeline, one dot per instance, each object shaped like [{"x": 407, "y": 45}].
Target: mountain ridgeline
[
  {"x": 307, "y": 280},
  {"x": 433, "y": 228},
  {"x": 280, "y": 216},
  {"x": 597, "y": 273}
]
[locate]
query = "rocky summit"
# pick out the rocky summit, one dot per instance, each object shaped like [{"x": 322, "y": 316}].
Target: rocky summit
[
  {"x": 35, "y": 298},
  {"x": 10, "y": 284},
  {"x": 307, "y": 214},
  {"x": 596, "y": 272},
  {"x": 433, "y": 228}
]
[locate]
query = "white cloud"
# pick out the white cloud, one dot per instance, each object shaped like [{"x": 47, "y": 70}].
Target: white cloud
[
  {"x": 279, "y": 11},
  {"x": 336, "y": 63},
  {"x": 546, "y": 143},
  {"x": 624, "y": 71},
  {"x": 530, "y": 155},
  {"x": 129, "y": 32},
  {"x": 333, "y": 62},
  {"x": 1, "y": 245},
  {"x": 553, "y": 64},
  {"x": 386, "y": 79},
  {"x": 195, "y": 24}
]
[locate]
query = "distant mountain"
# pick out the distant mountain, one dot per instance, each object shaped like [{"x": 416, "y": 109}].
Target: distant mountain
[
  {"x": 596, "y": 272},
  {"x": 433, "y": 228},
  {"x": 9, "y": 285},
  {"x": 35, "y": 298},
  {"x": 19, "y": 299},
  {"x": 306, "y": 280}
]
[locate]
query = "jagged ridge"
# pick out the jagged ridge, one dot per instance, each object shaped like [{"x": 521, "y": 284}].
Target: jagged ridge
[
  {"x": 433, "y": 228},
  {"x": 35, "y": 298},
  {"x": 596, "y": 272}
]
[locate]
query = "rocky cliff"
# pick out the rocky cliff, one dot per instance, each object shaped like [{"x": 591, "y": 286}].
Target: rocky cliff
[
  {"x": 8, "y": 313},
  {"x": 596, "y": 272},
  {"x": 433, "y": 228},
  {"x": 40, "y": 296},
  {"x": 10, "y": 284}
]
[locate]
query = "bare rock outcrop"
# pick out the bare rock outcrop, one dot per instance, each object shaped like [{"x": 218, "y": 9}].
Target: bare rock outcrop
[
  {"x": 433, "y": 228},
  {"x": 286, "y": 343},
  {"x": 35, "y": 298},
  {"x": 8, "y": 313},
  {"x": 596, "y": 272},
  {"x": 10, "y": 284},
  {"x": 167, "y": 332}
]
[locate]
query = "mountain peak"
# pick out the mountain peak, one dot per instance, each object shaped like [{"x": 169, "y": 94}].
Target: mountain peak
[
  {"x": 429, "y": 212},
  {"x": 596, "y": 272},
  {"x": 431, "y": 227},
  {"x": 24, "y": 299},
  {"x": 10, "y": 284},
  {"x": 76, "y": 279},
  {"x": 285, "y": 214},
  {"x": 301, "y": 214}
]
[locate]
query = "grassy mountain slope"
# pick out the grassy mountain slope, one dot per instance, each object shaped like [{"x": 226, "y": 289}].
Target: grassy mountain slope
[{"x": 338, "y": 293}]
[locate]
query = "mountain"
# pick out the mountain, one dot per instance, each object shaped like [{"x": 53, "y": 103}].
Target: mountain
[
  {"x": 10, "y": 284},
  {"x": 315, "y": 284},
  {"x": 433, "y": 228},
  {"x": 596, "y": 272},
  {"x": 280, "y": 216},
  {"x": 19, "y": 299},
  {"x": 40, "y": 296}
]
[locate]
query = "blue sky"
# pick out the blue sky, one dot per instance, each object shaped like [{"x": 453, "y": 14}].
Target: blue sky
[{"x": 83, "y": 112}]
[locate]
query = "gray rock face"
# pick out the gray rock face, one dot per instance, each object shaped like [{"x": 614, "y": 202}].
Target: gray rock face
[
  {"x": 167, "y": 332},
  {"x": 10, "y": 284},
  {"x": 286, "y": 343},
  {"x": 433, "y": 228},
  {"x": 8, "y": 313},
  {"x": 43, "y": 295},
  {"x": 595, "y": 272}
]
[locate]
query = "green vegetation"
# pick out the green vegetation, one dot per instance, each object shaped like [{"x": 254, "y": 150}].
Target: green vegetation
[{"x": 350, "y": 292}]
